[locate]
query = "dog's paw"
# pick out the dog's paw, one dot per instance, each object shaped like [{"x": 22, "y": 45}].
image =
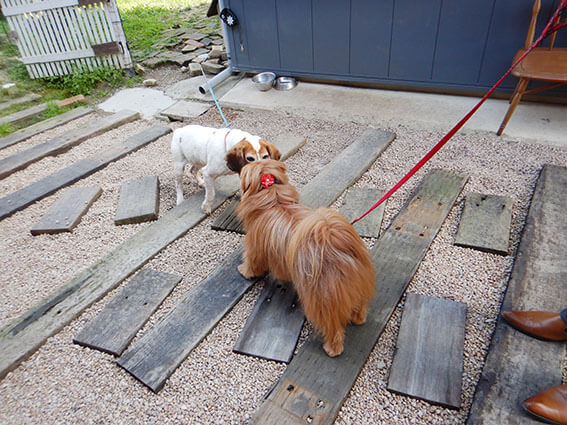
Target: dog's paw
[
  {"x": 243, "y": 270},
  {"x": 359, "y": 317},
  {"x": 333, "y": 350}
]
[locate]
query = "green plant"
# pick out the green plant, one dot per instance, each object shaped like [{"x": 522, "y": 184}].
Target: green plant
[
  {"x": 6, "y": 129},
  {"x": 84, "y": 81}
]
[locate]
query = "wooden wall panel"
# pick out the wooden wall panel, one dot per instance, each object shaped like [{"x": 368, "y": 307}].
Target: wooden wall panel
[
  {"x": 295, "y": 30},
  {"x": 370, "y": 38}
]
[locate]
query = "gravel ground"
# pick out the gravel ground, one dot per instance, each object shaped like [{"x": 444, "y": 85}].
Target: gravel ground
[{"x": 66, "y": 383}]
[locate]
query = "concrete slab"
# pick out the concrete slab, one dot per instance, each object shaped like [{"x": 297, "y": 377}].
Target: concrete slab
[
  {"x": 184, "y": 110},
  {"x": 532, "y": 122},
  {"x": 148, "y": 102}
]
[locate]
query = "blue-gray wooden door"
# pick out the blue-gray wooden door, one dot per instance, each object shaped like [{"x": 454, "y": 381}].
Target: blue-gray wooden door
[{"x": 457, "y": 45}]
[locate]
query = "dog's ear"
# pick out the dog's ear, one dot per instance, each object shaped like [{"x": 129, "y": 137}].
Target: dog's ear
[
  {"x": 272, "y": 150},
  {"x": 235, "y": 158},
  {"x": 248, "y": 180}
]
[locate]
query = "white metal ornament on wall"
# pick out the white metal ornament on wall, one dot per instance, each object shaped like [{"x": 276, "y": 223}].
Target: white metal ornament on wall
[{"x": 57, "y": 37}]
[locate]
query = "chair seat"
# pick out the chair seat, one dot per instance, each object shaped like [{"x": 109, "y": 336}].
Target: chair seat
[{"x": 543, "y": 64}]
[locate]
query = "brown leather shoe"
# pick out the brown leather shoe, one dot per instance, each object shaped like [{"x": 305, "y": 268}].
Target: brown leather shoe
[
  {"x": 539, "y": 324},
  {"x": 549, "y": 405}
]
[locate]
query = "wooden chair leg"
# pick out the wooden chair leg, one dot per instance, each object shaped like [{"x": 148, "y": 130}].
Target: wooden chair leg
[{"x": 520, "y": 89}]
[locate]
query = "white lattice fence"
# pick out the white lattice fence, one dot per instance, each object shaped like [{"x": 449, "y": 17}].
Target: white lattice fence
[{"x": 55, "y": 37}]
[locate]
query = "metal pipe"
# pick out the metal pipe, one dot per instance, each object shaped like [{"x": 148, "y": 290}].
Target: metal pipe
[{"x": 219, "y": 78}]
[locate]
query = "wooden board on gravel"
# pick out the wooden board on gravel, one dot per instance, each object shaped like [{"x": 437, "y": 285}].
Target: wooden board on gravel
[
  {"x": 428, "y": 362},
  {"x": 272, "y": 329},
  {"x": 485, "y": 223},
  {"x": 358, "y": 200},
  {"x": 20, "y": 199},
  {"x": 21, "y": 99},
  {"x": 518, "y": 366},
  {"x": 62, "y": 143},
  {"x": 313, "y": 387},
  {"x": 67, "y": 211},
  {"x": 48, "y": 124},
  {"x": 25, "y": 114},
  {"x": 154, "y": 357},
  {"x": 116, "y": 325},
  {"x": 24, "y": 335},
  {"x": 138, "y": 201}
]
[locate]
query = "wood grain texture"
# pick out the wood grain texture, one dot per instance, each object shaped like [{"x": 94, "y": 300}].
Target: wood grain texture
[
  {"x": 24, "y": 335},
  {"x": 67, "y": 211},
  {"x": 24, "y": 114},
  {"x": 357, "y": 202},
  {"x": 396, "y": 257},
  {"x": 154, "y": 357},
  {"x": 62, "y": 143},
  {"x": 20, "y": 199},
  {"x": 273, "y": 327},
  {"x": 518, "y": 366},
  {"x": 22, "y": 99},
  {"x": 428, "y": 363},
  {"x": 138, "y": 201},
  {"x": 116, "y": 325},
  {"x": 485, "y": 223},
  {"x": 48, "y": 124},
  {"x": 333, "y": 179}
]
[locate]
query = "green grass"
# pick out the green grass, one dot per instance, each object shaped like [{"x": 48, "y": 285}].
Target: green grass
[
  {"x": 145, "y": 21},
  {"x": 146, "y": 24}
]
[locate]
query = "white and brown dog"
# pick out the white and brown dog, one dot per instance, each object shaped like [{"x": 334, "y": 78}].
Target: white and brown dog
[{"x": 216, "y": 152}]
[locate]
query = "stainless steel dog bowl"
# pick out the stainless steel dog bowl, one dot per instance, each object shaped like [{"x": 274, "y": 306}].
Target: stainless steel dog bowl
[
  {"x": 285, "y": 83},
  {"x": 264, "y": 80}
]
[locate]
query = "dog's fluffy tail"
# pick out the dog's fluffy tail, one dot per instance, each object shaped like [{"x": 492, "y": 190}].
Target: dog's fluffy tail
[{"x": 332, "y": 269}]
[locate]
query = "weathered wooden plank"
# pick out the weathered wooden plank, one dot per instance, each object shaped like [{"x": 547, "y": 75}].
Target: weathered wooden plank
[
  {"x": 67, "y": 211},
  {"x": 22, "y": 99},
  {"x": 485, "y": 223},
  {"x": 24, "y": 114},
  {"x": 20, "y": 199},
  {"x": 227, "y": 219},
  {"x": 518, "y": 366},
  {"x": 428, "y": 363},
  {"x": 396, "y": 256},
  {"x": 24, "y": 335},
  {"x": 273, "y": 327},
  {"x": 333, "y": 180},
  {"x": 62, "y": 143},
  {"x": 48, "y": 124},
  {"x": 154, "y": 357},
  {"x": 357, "y": 202},
  {"x": 116, "y": 325},
  {"x": 138, "y": 201}
]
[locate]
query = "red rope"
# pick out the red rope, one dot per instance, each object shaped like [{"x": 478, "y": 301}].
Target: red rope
[{"x": 548, "y": 30}]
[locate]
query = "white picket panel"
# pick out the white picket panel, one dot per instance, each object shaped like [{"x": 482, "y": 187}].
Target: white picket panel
[{"x": 55, "y": 37}]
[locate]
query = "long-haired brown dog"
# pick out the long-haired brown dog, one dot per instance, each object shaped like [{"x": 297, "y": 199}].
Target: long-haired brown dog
[{"x": 317, "y": 250}]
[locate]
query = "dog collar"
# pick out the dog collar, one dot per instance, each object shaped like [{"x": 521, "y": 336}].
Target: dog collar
[
  {"x": 225, "y": 136},
  {"x": 267, "y": 180}
]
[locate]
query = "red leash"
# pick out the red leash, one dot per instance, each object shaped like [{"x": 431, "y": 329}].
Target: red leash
[{"x": 548, "y": 30}]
